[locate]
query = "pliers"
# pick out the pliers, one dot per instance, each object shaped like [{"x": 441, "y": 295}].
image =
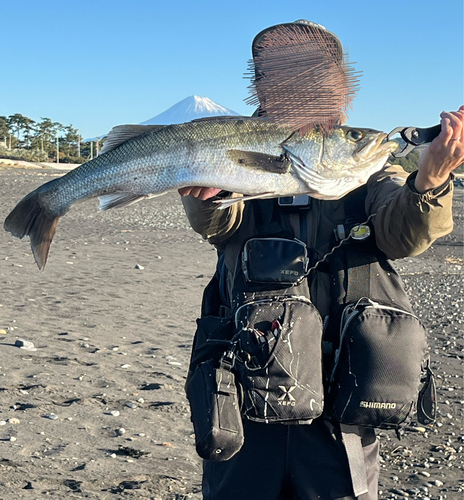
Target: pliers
[{"x": 413, "y": 137}]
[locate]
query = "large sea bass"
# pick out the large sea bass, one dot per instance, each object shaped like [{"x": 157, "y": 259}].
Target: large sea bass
[{"x": 251, "y": 156}]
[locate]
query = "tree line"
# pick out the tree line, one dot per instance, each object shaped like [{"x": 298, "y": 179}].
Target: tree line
[{"x": 45, "y": 140}]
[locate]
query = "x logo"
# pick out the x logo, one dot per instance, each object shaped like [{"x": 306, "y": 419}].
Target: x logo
[{"x": 286, "y": 393}]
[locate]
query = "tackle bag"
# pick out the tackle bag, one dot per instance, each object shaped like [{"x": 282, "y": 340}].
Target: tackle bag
[
  {"x": 375, "y": 375},
  {"x": 210, "y": 388},
  {"x": 277, "y": 344},
  {"x": 215, "y": 410},
  {"x": 279, "y": 359},
  {"x": 274, "y": 260},
  {"x": 375, "y": 379}
]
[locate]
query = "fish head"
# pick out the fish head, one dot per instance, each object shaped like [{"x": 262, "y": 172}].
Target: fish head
[
  {"x": 333, "y": 163},
  {"x": 340, "y": 151},
  {"x": 353, "y": 150}
]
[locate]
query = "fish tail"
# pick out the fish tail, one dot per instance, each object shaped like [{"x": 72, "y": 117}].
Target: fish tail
[{"x": 31, "y": 218}]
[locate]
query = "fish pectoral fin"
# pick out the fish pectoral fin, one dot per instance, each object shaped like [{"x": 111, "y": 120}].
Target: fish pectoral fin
[
  {"x": 121, "y": 199},
  {"x": 228, "y": 202},
  {"x": 251, "y": 159},
  {"x": 122, "y": 133}
]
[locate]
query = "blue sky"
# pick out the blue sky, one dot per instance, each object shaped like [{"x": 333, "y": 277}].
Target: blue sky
[{"x": 96, "y": 64}]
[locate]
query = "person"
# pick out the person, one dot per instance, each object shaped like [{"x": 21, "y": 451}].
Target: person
[{"x": 308, "y": 462}]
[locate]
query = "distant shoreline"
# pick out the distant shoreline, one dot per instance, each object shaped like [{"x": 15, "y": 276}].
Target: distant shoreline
[{"x": 7, "y": 162}]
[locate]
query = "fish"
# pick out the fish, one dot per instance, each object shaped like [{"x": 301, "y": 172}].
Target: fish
[{"x": 251, "y": 156}]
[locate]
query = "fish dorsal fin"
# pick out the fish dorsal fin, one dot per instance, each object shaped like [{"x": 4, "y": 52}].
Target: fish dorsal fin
[
  {"x": 122, "y": 133},
  {"x": 269, "y": 163}
]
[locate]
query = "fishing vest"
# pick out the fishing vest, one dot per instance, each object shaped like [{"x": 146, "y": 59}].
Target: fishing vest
[{"x": 305, "y": 318}]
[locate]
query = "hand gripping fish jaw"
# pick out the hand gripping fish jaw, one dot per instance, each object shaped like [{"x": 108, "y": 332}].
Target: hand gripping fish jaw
[{"x": 413, "y": 137}]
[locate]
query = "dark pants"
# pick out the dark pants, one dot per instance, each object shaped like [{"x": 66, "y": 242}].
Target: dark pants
[{"x": 290, "y": 462}]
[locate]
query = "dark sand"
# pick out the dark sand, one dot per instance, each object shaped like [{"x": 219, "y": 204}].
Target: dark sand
[{"x": 111, "y": 337}]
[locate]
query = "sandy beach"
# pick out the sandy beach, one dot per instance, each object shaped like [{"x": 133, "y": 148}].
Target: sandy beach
[{"x": 97, "y": 410}]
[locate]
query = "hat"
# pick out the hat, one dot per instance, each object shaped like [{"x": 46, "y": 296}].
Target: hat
[
  {"x": 300, "y": 75},
  {"x": 301, "y": 26}
]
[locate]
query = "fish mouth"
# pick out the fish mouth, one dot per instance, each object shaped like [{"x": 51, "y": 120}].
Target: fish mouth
[{"x": 375, "y": 148}]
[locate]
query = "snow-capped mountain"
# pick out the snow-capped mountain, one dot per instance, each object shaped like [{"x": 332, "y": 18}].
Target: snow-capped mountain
[{"x": 188, "y": 109}]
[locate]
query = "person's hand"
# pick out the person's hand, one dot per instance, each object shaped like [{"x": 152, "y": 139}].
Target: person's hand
[
  {"x": 202, "y": 193},
  {"x": 445, "y": 153}
]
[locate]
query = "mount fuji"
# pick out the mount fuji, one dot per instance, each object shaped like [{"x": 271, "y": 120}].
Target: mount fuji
[{"x": 188, "y": 109}]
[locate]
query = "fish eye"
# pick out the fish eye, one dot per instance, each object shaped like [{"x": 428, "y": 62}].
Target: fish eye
[{"x": 354, "y": 134}]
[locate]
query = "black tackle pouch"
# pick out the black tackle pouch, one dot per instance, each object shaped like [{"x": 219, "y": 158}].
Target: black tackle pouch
[
  {"x": 376, "y": 372},
  {"x": 215, "y": 410},
  {"x": 276, "y": 336},
  {"x": 274, "y": 260},
  {"x": 210, "y": 388}
]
